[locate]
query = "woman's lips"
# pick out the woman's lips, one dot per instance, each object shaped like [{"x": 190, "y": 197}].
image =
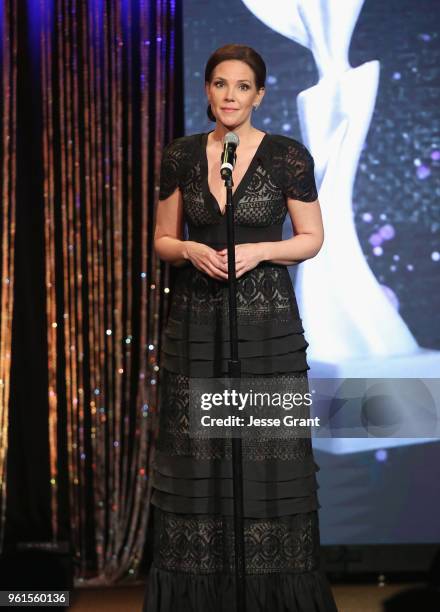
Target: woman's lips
[{"x": 229, "y": 110}]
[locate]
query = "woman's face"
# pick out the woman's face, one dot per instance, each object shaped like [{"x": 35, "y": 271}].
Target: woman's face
[{"x": 232, "y": 93}]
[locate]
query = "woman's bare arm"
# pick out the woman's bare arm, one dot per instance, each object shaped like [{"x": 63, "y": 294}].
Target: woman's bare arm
[
  {"x": 168, "y": 232},
  {"x": 170, "y": 247},
  {"x": 307, "y": 225}
]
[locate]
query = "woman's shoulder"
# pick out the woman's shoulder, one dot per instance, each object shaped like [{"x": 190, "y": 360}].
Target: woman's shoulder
[
  {"x": 287, "y": 145},
  {"x": 183, "y": 144},
  {"x": 292, "y": 166},
  {"x": 177, "y": 160}
]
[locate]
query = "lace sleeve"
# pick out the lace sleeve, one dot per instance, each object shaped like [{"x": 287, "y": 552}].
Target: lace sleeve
[
  {"x": 295, "y": 170},
  {"x": 170, "y": 168}
]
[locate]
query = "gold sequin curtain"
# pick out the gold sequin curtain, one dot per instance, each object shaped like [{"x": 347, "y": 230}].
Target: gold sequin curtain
[
  {"x": 107, "y": 74},
  {"x": 8, "y": 106}
]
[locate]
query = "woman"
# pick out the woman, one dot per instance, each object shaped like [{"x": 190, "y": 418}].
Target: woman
[{"x": 192, "y": 478}]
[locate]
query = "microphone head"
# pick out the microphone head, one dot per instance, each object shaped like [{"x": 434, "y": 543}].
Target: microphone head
[{"x": 231, "y": 138}]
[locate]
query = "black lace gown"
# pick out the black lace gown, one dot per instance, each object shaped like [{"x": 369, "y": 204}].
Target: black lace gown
[{"x": 193, "y": 566}]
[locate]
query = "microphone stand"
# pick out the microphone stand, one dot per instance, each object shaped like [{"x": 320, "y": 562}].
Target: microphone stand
[{"x": 234, "y": 371}]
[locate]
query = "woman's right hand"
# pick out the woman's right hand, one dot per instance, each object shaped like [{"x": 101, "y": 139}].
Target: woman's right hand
[{"x": 206, "y": 259}]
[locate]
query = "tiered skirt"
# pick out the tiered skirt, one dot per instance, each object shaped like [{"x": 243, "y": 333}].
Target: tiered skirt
[{"x": 192, "y": 497}]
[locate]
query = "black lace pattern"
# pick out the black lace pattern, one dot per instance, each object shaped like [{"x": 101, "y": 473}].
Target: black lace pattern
[
  {"x": 284, "y": 169},
  {"x": 263, "y": 293},
  {"x": 204, "y": 544},
  {"x": 270, "y": 332},
  {"x": 293, "y": 167},
  {"x": 175, "y": 441}
]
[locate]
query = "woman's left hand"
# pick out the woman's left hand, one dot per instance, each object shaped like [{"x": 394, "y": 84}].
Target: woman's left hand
[{"x": 247, "y": 256}]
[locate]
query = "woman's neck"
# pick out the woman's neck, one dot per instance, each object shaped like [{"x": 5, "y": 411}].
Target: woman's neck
[{"x": 246, "y": 132}]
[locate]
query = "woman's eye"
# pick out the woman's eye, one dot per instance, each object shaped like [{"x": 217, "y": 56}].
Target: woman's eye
[{"x": 243, "y": 86}]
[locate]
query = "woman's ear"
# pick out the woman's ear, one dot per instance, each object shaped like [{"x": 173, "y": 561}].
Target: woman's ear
[{"x": 261, "y": 93}]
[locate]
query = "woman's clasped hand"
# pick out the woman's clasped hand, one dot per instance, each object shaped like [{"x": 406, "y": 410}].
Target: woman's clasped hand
[{"x": 215, "y": 263}]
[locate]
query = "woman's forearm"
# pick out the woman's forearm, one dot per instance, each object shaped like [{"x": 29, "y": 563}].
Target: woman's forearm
[
  {"x": 172, "y": 250},
  {"x": 291, "y": 251}
]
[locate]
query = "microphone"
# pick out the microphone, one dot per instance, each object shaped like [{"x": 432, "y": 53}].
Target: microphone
[{"x": 230, "y": 143}]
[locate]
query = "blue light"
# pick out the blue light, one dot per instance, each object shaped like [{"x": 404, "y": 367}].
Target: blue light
[{"x": 381, "y": 454}]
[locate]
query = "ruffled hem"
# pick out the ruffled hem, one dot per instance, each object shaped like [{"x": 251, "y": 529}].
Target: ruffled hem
[
  {"x": 272, "y": 328},
  {"x": 208, "y": 349},
  {"x": 265, "y": 471},
  {"x": 270, "y": 488},
  {"x": 279, "y": 592},
  {"x": 265, "y": 508},
  {"x": 257, "y": 366},
  {"x": 270, "y": 348},
  {"x": 223, "y": 487}
]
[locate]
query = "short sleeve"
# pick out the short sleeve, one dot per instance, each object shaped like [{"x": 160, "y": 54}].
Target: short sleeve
[
  {"x": 294, "y": 166},
  {"x": 169, "y": 170}
]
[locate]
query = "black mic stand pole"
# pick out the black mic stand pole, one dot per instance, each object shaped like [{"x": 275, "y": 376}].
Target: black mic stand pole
[{"x": 234, "y": 370}]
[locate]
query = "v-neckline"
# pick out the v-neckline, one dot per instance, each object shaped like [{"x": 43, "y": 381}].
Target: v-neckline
[{"x": 242, "y": 185}]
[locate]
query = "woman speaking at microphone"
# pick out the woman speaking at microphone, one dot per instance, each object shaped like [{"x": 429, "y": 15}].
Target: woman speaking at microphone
[{"x": 193, "y": 566}]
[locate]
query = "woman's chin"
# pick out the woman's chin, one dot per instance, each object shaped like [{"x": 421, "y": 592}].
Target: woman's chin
[{"x": 229, "y": 122}]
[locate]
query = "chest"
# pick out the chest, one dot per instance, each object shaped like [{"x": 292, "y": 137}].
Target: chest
[
  {"x": 258, "y": 199},
  {"x": 215, "y": 182}
]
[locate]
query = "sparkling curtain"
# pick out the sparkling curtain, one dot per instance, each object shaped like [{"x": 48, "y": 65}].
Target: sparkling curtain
[
  {"x": 106, "y": 71},
  {"x": 8, "y": 66}
]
